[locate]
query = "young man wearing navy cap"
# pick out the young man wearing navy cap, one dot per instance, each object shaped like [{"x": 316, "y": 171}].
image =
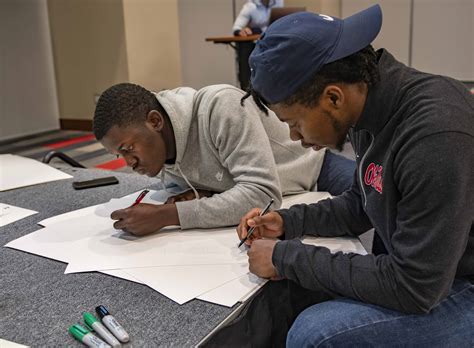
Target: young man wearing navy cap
[{"x": 413, "y": 135}]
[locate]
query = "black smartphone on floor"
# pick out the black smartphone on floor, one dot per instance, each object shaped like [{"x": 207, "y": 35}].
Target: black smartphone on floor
[{"x": 109, "y": 180}]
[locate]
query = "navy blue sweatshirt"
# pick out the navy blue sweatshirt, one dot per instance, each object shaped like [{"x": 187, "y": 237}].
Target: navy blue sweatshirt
[{"x": 414, "y": 144}]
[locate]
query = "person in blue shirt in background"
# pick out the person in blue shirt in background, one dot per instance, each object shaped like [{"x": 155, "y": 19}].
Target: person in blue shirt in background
[{"x": 254, "y": 17}]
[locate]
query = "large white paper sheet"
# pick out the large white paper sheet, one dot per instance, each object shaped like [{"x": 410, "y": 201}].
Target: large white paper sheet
[
  {"x": 204, "y": 264},
  {"x": 9, "y": 344},
  {"x": 28, "y": 243},
  {"x": 237, "y": 290},
  {"x": 10, "y": 213},
  {"x": 92, "y": 244},
  {"x": 17, "y": 171},
  {"x": 39, "y": 244},
  {"x": 183, "y": 283},
  {"x": 153, "y": 197},
  {"x": 58, "y": 243},
  {"x": 118, "y": 273},
  {"x": 120, "y": 251},
  {"x": 84, "y": 212}
]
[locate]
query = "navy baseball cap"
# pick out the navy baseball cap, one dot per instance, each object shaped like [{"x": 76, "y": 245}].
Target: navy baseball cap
[{"x": 295, "y": 47}]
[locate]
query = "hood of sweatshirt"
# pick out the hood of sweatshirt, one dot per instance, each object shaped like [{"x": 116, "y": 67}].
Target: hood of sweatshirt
[{"x": 178, "y": 104}]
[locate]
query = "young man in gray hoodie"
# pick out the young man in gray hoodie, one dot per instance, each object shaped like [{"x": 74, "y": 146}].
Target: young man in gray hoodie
[
  {"x": 413, "y": 135},
  {"x": 231, "y": 157}
]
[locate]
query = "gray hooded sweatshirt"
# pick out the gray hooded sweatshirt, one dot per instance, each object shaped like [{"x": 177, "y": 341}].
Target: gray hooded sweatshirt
[{"x": 237, "y": 151}]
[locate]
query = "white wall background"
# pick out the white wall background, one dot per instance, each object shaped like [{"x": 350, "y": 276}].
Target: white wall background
[
  {"x": 395, "y": 32},
  {"x": 430, "y": 35},
  {"x": 205, "y": 63},
  {"x": 443, "y": 37},
  {"x": 435, "y": 36},
  {"x": 28, "y": 100}
]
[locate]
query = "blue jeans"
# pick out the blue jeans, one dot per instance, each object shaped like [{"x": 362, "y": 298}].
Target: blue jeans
[
  {"x": 337, "y": 173},
  {"x": 349, "y": 323}
]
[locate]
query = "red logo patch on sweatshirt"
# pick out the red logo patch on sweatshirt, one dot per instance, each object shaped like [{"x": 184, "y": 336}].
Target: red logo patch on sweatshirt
[{"x": 373, "y": 177}]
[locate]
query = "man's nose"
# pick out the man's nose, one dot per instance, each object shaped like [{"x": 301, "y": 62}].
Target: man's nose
[{"x": 295, "y": 135}]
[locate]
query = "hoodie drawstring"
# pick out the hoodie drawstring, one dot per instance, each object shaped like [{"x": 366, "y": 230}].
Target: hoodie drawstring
[
  {"x": 162, "y": 177},
  {"x": 196, "y": 194}
]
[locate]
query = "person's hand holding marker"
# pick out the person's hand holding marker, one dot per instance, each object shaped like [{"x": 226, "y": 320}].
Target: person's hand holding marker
[
  {"x": 261, "y": 226},
  {"x": 268, "y": 225},
  {"x": 141, "y": 219}
]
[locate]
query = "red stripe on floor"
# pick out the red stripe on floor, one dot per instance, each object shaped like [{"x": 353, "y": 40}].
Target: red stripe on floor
[
  {"x": 112, "y": 165},
  {"x": 69, "y": 142}
]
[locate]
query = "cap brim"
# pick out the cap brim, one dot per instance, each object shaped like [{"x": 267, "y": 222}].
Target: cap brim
[{"x": 358, "y": 31}]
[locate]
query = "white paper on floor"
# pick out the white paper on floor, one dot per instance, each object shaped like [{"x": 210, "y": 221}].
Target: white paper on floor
[
  {"x": 153, "y": 197},
  {"x": 237, "y": 290},
  {"x": 91, "y": 243},
  {"x": 20, "y": 171},
  {"x": 182, "y": 265},
  {"x": 183, "y": 283},
  {"x": 10, "y": 213}
]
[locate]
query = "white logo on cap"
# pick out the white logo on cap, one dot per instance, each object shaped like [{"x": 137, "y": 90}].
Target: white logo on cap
[{"x": 326, "y": 17}]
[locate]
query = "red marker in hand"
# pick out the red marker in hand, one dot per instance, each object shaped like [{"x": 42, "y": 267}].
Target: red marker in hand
[{"x": 140, "y": 197}]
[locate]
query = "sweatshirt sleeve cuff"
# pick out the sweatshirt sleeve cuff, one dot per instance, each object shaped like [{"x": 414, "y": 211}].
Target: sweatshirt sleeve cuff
[
  {"x": 288, "y": 228},
  {"x": 283, "y": 263},
  {"x": 278, "y": 257},
  {"x": 187, "y": 213}
]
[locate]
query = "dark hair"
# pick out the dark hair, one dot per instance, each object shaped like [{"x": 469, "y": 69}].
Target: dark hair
[
  {"x": 358, "y": 67},
  {"x": 122, "y": 105}
]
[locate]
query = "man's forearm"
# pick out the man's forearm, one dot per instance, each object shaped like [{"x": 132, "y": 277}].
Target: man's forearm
[
  {"x": 169, "y": 214},
  {"x": 339, "y": 216}
]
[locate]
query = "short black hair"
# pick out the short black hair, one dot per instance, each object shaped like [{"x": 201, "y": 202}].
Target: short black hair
[
  {"x": 358, "y": 67},
  {"x": 122, "y": 105}
]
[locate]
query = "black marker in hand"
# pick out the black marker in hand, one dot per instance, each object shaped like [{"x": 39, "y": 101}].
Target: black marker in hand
[{"x": 263, "y": 212}]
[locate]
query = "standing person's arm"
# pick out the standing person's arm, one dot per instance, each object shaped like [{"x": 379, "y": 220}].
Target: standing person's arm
[
  {"x": 241, "y": 23},
  {"x": 238, "y": 138}
]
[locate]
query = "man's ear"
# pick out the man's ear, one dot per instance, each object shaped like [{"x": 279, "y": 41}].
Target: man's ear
[
  {"x": 155, "y": 120},
  {"x": 332, "y": 97}
]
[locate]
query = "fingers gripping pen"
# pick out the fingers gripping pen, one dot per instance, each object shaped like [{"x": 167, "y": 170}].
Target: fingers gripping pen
[
  {"x": 93, "y": 324},
  {"x": 263, "y": 212},
  {"x": 112, "y": 324}
]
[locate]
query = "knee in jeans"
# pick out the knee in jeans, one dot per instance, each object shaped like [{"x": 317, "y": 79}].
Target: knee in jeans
[
  {"x": 303, "y": 334},
  {"x": 298, "y": 338}
]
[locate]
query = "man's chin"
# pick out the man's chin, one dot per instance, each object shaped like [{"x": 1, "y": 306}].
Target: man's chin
[
  {"x": 317, "y": 148},
  {"x": 145, "y": 172},
  {"x": 337, "y": 147},
  {"x": 152, "y": 174},
  {"x": 340, "y": 144}
]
